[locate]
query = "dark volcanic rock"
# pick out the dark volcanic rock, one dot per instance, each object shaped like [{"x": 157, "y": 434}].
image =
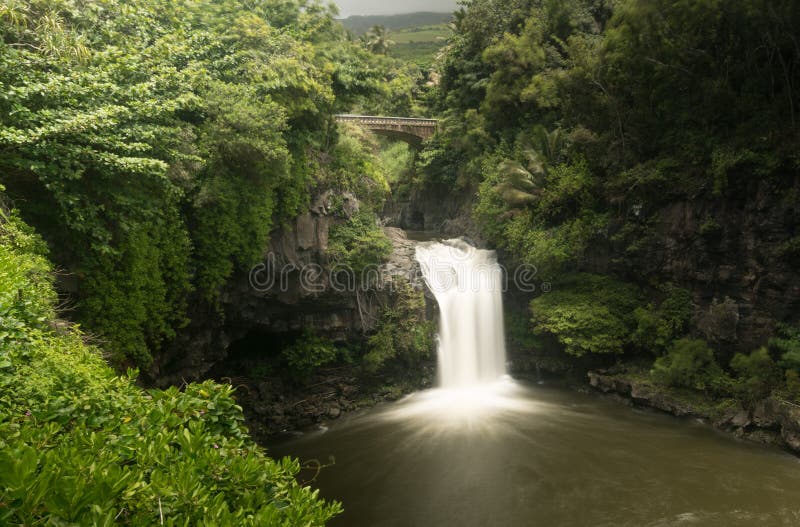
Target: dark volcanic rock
[
  {"x": 771, "y": 420},
  {"x": 293, "y": 290},
  {"x": 728, "y": 250},
  {"x": 436, "y": 207}
]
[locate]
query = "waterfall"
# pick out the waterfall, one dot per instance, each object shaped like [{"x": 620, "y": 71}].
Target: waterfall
[{"x": 467, "y": 283}]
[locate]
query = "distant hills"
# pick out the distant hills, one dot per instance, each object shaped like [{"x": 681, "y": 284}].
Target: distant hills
[{"x": 360, "y": 24}]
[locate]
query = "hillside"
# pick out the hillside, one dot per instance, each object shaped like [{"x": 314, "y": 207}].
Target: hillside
[
  {"x": 419, "y": 44},
  {"x": 360, "y": 24}
]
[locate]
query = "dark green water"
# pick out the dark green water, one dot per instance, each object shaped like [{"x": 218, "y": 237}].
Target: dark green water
[{"x": 541, "y": 456}]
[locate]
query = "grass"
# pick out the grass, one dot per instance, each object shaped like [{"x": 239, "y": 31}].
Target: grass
[
  {"x": 419, "y": 44},
  {"x": 436, "y": 33}
]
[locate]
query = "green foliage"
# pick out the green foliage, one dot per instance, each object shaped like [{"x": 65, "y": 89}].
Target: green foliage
[
  {"x": 551, "y": 250},
  {"x": 722, "y": 92},
  {"x": 519, "y": 330},
  {"x": 398, "y": 90},
  {"x": 690, "y": 364},
  {"x": 355, "y": 168},
  {"x": 757, "y": 374},
  {"x": 793, "y": 385},
  {"x": 137, "y": 297},
  {"x": 26, "y": 295},
  {"x": 578, "y": 120},
  {"x": 453, "y": 155},
  {"x": 398, "y": 82},
  {"x": 154, "y": 143},
  {"x": 246, "y": 161},
  {"x": 402, "y": 331},
  {"x": 710, "y": 229},
  {"x": 359, "y": 243},
  {"x": 587, "y": 313},
  {"x": 80, "y": 445},
  {"x": 657, "y": 327},
  {"x": 754, "y": 376},
  {"x": 421, "y": 44},
  {"x": 787, "y": 345},
  {"x": 308, "y": 353},
  {"x": 376, "y": 40},
  {"x": 626, "y": 104},
  {"x": 542, "y": 213},
  {"x": 397, "y": 158}
]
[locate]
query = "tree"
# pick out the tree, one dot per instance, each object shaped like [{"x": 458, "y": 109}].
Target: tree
[
  {"x": 376, "y": 40},
  {"x": 138, "y": 134}
]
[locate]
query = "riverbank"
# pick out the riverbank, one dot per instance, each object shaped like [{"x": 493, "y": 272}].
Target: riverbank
[
  {"x": 274, "y": 405},
  {"x": 770, "y": 421}
]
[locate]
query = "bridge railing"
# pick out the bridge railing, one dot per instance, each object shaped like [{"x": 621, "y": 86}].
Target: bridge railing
[{"x": 387, "y": 121}]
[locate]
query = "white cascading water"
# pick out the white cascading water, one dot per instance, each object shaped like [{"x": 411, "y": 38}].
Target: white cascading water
[
  {"x": 467, "y": 284},
  {"x": 474, "y": 391}
]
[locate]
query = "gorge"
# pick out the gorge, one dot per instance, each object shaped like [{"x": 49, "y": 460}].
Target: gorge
[
  {"x": 481, "y": 449},
  {"x": 457, "y": 273}
]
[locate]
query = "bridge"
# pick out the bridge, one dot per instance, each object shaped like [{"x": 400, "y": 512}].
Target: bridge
[{"x": 411, "y": 130}]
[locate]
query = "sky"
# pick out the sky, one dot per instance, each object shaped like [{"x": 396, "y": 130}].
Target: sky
[{"x": 392, "y": 7}]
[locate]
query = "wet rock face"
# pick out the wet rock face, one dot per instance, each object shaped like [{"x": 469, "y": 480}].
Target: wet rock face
[
  {"x": 730, "y": 251},
  {"x": 435, "y": 207},
  {"x": 306, "y": 296},
  {"x": 289, "y": 292},
  {"x": 274, "y": 405}
]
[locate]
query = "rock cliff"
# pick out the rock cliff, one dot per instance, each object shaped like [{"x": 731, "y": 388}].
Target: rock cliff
[
  {"x": 291, "y": 290},
  {"x": 737, "y": 253}
]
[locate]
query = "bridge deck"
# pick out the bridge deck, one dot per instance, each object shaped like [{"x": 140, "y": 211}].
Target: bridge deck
[{"x": 388, "y": 121}]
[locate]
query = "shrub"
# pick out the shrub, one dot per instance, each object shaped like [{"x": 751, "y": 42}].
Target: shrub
[
  {"x": 587, "y": 313},
  {"x": 657, "y": 327},
  {"x": 80, "y": 445},
  {"x": 710, "y": 229},
  {"x": 402, "y": 331},
  {"x": 359, "y": 243},
  {"x": 793, "y": 385},
  {"x": 155, "y": 144},
  {"x": 690, "y": 364},
  {"x": 519, "y": 330},
  {"x": 356, "y": 168},
  {"x": 787, "y": 346},
  {"x": 756, "y": 374},
  {"x": 308, "y": 353},
  {"x": 397, "y": 159}
]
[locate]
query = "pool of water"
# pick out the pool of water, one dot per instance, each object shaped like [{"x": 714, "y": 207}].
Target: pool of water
[{"x": 542, "y": 456}]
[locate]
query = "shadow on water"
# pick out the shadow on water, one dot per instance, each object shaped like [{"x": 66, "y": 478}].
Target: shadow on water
[{"x": 518, "y": 455}]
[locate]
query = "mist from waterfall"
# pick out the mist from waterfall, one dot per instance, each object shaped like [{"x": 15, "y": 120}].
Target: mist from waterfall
[
  {"x": 467, "y": 284},
  {"x": 474, "y": 393}
]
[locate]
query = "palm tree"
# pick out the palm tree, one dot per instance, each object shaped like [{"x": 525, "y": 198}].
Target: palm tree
[
  {"x": 550, "y": 144},
  {"x": 376, "y": 40},
  {"x": 521, "y": 185}
]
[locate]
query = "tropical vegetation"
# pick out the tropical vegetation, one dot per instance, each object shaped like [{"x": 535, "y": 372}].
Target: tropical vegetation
[
  {"x": 576, "y": 121},
  {"x": 82, "y": 445}
]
